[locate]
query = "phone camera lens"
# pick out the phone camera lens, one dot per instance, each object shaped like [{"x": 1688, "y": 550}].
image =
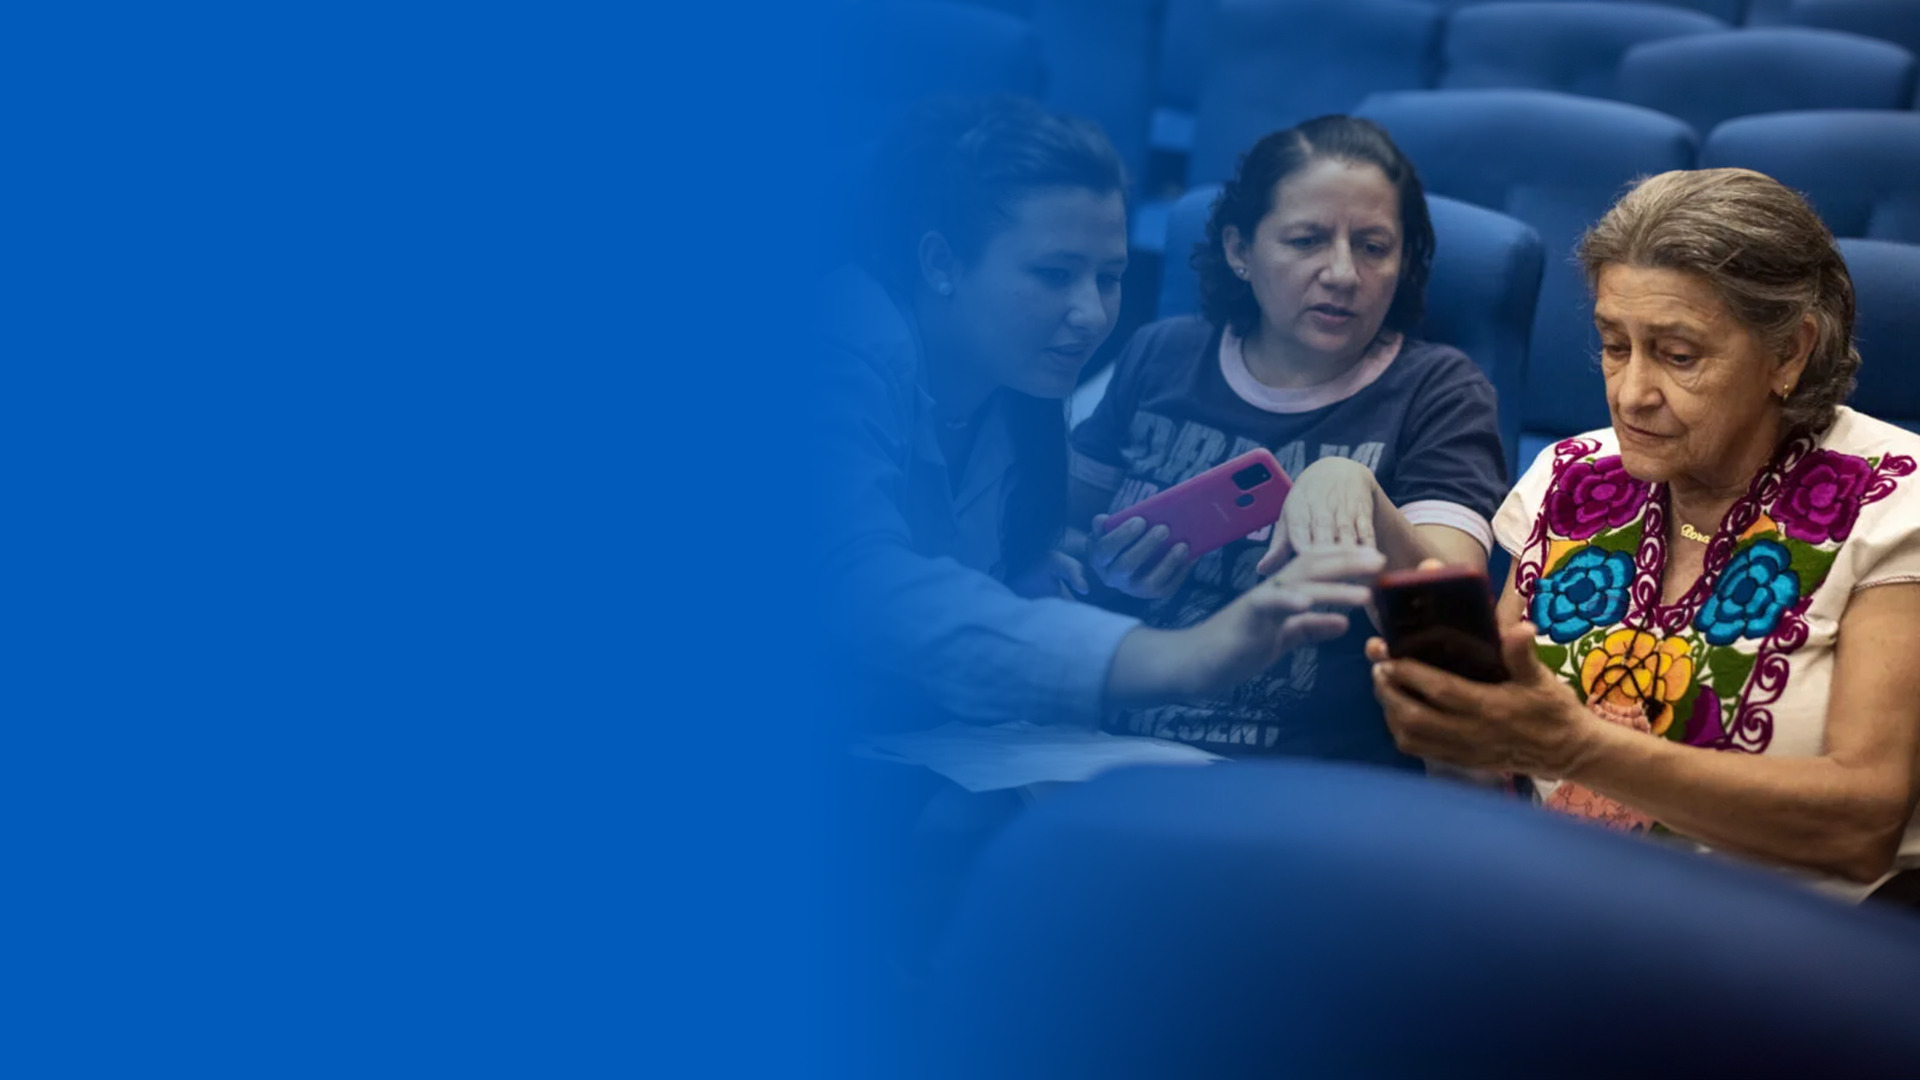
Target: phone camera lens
[{"x": 1252, "y": 476}]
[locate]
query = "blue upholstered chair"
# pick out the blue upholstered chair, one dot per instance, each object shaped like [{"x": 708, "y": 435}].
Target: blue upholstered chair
[
  {"x": 1886, "y": 287},
  {"x": 1556, "y": 162},
  {"x": 1304, "y": 919},
  {"x": 903, "y": 50},
  {"x": 1897, "y": 21},
  {"x": 1574, "y": 47},
  {"x": 1272, "y": 65},
  {"x": 1710, "y": 78},
  {"x": 1099, "y": 60},
  {"x": 1860, "y": 169}
]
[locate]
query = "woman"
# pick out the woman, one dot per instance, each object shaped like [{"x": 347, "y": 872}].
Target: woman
[
  {"x": 991, "y": 273},
  {"x": 1312, "y": 274},
  {"x": 1714, "y": 609}
]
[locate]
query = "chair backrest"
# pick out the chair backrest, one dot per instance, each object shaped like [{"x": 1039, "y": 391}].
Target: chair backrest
[
  {"x": 1099, "y": 63},
  {"x": 1558, "y": 163},
  {"x": 1303, "y": 919},
  {"x": 901, "y": 51},
  {"x": 1729, "y": 12},
  {"x": 1272, "y": 65},
  {"x": 1897, "y": 21},
  {"x": 1714, "y": 77},
  {"x": 1574, "y": 47},
  {"x": 1185, "y": 32},
  {"x": 1480, "y": 297},
  {"x": 1886, "y": 283},
  {"x": 1861, "y": 170}
]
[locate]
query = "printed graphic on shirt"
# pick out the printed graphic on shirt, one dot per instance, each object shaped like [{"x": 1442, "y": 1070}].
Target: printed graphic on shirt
[
  {"x": 1161, "y": 453},
  {"x": 1425, "y": 426}
]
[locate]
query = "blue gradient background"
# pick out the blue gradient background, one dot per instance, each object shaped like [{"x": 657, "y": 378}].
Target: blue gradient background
[{"x": 407, "y": 657}]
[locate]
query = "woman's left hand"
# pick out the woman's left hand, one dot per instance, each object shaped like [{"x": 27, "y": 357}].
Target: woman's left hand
[
  {"x": 1330, "y": 505},
  {"x": 1532, "y": 724}
]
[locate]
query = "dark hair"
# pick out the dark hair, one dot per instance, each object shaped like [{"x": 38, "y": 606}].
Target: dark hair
[
  {"x": 1764, "y": 250},
  {"x": 1227, "y": 300},
  {"x": 957, "y": 166}
]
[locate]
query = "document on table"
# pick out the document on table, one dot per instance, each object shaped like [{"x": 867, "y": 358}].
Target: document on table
[{"x": 1015, "y": 755}]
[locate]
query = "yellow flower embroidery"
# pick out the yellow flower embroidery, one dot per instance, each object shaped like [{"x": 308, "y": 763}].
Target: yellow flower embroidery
[
  {"x": 1760, "y": 527},
  {"x": 1635, "y": 668}
]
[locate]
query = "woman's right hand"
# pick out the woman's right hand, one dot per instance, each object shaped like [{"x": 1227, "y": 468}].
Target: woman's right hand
[
  {"x": 1302, "y": 605},
  {"x": 1129, "y": 559}
]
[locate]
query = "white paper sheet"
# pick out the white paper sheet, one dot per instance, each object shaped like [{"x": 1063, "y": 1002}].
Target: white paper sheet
[{"x": 1015, "y": 755}]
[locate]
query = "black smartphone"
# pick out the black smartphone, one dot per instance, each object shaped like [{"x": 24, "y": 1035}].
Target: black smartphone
[{"x": 1442, "y": 617}]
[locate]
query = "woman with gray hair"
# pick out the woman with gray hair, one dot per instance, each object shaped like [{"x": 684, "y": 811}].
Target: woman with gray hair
[{"x": 1713, "y": 618}]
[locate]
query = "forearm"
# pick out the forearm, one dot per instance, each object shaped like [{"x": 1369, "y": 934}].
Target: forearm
[
  {"x": 1812, "y": 812},
  {"x": 1406, "y": 545},
  {"x": 1147, "y": 671}
]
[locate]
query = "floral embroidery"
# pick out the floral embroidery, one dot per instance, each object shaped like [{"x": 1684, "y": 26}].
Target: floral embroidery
[
  {"x": 1634, "y": 669},
  {"x": 1752, "y": 591},
  {"x": 1593, "y": 495},
  {"x": 1589, "y": 591},
  {"x": 1821, "y": 497},
  {"x": 1707, "y": 669}
]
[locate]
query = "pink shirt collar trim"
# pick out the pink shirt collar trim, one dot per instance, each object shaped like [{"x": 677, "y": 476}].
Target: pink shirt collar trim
[{"x": 1373, "y": 363}]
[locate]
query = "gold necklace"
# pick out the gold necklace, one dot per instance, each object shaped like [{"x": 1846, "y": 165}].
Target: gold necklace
[{"x": 1692, "y": 533}]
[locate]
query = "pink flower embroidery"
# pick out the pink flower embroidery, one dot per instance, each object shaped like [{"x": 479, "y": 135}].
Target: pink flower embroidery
[
  {"x": 1593, "y": 495},
  {"x": 1821, "y": 497}
]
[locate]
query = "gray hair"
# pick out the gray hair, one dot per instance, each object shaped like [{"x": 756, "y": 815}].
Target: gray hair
[{"x": 1764, "y": 251}]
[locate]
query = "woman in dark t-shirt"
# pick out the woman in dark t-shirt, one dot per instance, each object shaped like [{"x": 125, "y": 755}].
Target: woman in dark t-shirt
[{"x": 1313, "y": 270}]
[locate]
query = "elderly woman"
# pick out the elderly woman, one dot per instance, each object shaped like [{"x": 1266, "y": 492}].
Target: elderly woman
[{"x": 1713, "y": 618}]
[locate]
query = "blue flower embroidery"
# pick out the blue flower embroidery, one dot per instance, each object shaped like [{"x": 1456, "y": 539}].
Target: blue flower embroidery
[
  {"x": 1589, "y": 591},
  {"x": 1752, "y": 592}
]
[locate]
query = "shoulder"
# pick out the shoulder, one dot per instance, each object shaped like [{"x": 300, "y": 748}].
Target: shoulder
[
  {"x": 1182, "y": 337},
  {"x": 1435, "y": 365},
  {"x": 860, "y": 324},
  {"x": 1857, "y": 434},
  {"x": 1164, "y": 352}
]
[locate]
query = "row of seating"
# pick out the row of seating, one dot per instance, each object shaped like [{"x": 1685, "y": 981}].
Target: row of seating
[
  {"x": 1491, "y": 274},
  {"x": 1550, "y": 156}
]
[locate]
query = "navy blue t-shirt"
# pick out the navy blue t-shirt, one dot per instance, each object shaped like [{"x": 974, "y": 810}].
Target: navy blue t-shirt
[{"x": 1181, "y": 401}]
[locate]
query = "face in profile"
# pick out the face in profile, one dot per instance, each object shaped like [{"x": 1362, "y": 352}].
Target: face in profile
[
  {"x": 1325, "y": 261},
  {"x": 1688, "y": 385},
  {"x": 1044, "y": 292}
]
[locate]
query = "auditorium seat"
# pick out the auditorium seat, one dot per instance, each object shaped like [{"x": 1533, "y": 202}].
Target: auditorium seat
[
  {"x": 1272, "y": 65},
  {"x": 899, "y": 51},
  {"x": 1186, "y": 28},
  {"x": 1860, "y": 169},
  {"x": 1729, "y": 12},
  {"x": 1556, "y": 162},
  {"x": 1897, "y": 21},
  {"x": 1099, "y": 63},
  {"x": 1710, "y": 78},
  {"x": 1574, "y": 47},
  {"x": 1486, "y": 278},
  {"x": 1886, "y": 287},
  {"x": 1291, "y": 918}
]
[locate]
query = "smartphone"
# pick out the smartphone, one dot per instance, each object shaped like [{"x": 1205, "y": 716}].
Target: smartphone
[
  {"x": 1442, "y": 617},
  {"x": 1209, "y": 511}
]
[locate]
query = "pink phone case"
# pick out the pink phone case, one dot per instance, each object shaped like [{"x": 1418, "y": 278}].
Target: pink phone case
[{"x": 1214, "y": 509}]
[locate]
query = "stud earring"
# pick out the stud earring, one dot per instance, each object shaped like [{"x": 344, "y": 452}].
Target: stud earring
[
  {"x": 945, "y": 288},
  {"x": 1241, "y": 270}
]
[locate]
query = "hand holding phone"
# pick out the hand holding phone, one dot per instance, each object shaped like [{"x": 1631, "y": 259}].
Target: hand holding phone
[
  {"x": 1136, "y": 558},
  {"x": 1443, "y": 617},
  {"x": 1209, "y": 511}
]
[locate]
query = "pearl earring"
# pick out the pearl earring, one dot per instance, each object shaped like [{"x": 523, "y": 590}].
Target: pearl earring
[{"x": 1241, "y": 270}]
